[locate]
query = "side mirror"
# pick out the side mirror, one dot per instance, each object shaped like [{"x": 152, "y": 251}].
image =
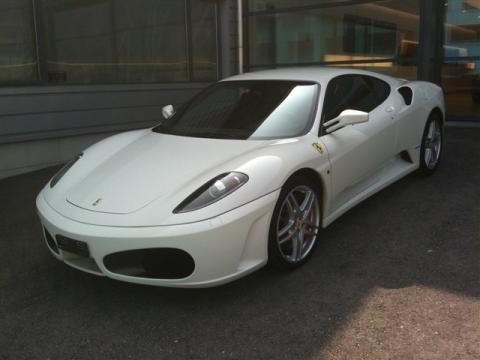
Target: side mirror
[
  {"x": 168, "y": 111},
  {"x": 347, "y": 117}
]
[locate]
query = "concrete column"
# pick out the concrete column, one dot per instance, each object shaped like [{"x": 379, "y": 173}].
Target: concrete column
[{"x": 430, "y": 51}]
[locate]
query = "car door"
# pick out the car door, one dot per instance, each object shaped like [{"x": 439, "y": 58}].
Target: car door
[{"x": 359, "y": 152}]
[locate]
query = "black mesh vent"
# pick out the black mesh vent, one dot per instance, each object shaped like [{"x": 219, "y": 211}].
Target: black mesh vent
[{"x": 76, "y": 247}]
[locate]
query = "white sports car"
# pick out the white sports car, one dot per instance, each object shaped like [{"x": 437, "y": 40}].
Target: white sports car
[{"x": 246, "y": 173}]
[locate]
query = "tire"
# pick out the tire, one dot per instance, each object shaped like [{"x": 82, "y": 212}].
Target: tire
[
  {"x": 432, "y": 145},
  {"x": 295, "y": 225}
]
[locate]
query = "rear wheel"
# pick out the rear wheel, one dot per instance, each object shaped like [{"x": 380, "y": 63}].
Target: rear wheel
[
  {"x": 432, "y": 145},
  {"x": 295, "y": 223}
]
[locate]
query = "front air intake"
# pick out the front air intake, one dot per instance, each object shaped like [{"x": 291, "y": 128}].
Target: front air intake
[
  {"x": 157, "y": 263},
  {"x": 50, "y": 241}
]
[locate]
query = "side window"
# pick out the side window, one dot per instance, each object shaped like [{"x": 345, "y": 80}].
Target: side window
[{"x": 354, "y": 92}]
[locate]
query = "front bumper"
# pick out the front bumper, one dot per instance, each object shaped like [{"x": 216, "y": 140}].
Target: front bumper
[{"x": 223, "y": 248}]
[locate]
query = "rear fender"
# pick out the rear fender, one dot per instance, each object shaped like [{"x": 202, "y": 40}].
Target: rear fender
[{"x": 412, "y": 118}]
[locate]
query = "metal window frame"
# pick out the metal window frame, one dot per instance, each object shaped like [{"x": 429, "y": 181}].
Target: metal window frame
[
  {"x": 188, "y": 39},
  {"x": 308, "y": 7},
  {"x": 245, "y": 36},
  {"x": 218, "y": 40}
]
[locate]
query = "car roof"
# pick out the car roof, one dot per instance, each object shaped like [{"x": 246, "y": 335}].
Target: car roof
[{"x": 320, "y": 74}]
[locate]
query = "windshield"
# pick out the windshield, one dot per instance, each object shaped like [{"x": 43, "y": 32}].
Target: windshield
[{"x": 263, "y": 109}]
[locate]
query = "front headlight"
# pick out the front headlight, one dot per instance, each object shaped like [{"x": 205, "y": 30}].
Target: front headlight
[
  {"x": 212, "y": 191},
  {"x": 56, "y": 178}
]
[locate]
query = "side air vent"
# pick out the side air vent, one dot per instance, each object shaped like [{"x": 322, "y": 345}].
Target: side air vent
[
  {"x": 407, "y": 94},
  {"x": 405, "y": 156}
]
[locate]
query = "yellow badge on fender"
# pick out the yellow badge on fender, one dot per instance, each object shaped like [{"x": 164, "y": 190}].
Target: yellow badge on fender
[
  {"x": 318, "y": 147},
  {"x": 96, "y": 202}
]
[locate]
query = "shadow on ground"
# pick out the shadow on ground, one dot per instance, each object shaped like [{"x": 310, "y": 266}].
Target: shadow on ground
[{"x": 396, "y": 277}]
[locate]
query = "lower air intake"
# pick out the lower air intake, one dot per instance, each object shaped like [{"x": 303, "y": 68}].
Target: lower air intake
[{"x": 158, "y": 263}]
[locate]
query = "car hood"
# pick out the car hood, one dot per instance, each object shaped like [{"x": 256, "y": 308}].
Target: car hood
[{"x": 152, "y": 167}]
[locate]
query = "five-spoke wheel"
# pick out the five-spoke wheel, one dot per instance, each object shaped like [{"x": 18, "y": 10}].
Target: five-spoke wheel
[{"x": 295, "y": 223}]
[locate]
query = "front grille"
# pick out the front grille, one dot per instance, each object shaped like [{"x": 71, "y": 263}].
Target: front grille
[{"x": 50, "y": 241}]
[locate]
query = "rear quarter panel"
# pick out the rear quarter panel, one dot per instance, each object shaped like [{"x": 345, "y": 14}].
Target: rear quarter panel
[{"x": 412, "y": 118}]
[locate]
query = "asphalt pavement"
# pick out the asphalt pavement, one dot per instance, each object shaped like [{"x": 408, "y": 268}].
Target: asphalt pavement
[{"x": 398, "y": 277}]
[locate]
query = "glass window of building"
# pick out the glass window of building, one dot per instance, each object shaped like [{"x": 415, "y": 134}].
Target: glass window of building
[
  {"x": 108, "y": 41},
  {"x": 204, "y": 40},
  {"x": 18, "y": 59},
  {"x": 378, "y": 35},
  {"x": 461, "y": 68},
  {"x": 150, "y": 40}
]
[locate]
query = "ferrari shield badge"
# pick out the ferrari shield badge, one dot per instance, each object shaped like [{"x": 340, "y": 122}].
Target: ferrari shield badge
[
  {"x": 96, "y": 202},
  {"x": 318, "y": 147}
]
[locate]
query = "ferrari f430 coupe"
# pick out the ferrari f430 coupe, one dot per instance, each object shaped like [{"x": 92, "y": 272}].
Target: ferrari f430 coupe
[{"x": 246, "y": 173}]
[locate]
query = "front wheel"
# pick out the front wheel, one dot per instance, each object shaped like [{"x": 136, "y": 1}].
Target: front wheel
[
  {"x": 295, "y": 223},
  {"x": 432, "y": 145}
]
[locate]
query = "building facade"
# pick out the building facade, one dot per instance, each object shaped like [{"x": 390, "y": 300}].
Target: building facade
[{"x": 74, "y": 71}]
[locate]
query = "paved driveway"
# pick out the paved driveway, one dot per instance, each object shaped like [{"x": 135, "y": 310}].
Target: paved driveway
[{"x": 398, "y": 277}]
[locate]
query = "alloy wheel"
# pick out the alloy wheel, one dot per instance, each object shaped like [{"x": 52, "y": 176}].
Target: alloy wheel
[
  {"x": 433, "y": 145},
  {"x": 298, "y": 223}
]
